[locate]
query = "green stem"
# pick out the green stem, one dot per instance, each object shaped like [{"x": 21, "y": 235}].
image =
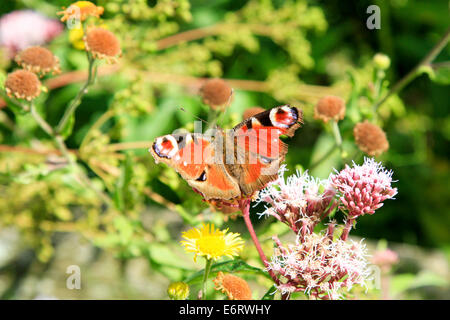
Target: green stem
[
  {"x": 77, "y": 100},
  {"x": 324, "y": 157},
  {"x": 205, "y": 277},
  {"x": 416, "y": 71},
  {"x": 337, "y": 134}
]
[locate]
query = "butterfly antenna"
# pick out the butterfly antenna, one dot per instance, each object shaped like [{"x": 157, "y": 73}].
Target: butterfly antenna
[{"x": 184, "y": 110}]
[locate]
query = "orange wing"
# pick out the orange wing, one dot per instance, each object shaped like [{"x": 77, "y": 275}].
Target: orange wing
[
  {"x": 193, "y": 157},
  {"x": 259, "y": 150}
]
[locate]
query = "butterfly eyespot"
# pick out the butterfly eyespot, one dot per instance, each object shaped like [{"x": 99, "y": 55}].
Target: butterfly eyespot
[
  {"x": 202, "y": 177},
  {"x": 283, "y": 117},
  {"x": 165, "y": 147}
]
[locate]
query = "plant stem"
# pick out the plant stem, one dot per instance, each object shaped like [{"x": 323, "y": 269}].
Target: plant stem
[
  {"x": 77, "y": 100},
  {"x": 205, "y": 277},
  {"x": 245, "y": 208},
  {"x": 416, "y": 70},
  {"x": 324, "y": 157},
  {"x": 347, "y": 228},
  {"x": 337, "y": 135}
]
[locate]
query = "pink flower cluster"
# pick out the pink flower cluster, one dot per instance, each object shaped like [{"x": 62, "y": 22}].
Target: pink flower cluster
[
  {"x": 362, "y": 189},
  {"x": 320, "y": 267},
  {"x": 300, "y": 201},
  {"x": 320, "y": 264},
  {"x": 23, "y": 28}
]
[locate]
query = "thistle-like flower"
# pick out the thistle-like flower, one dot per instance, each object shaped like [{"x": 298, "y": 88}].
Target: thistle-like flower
[
  {"x": 319, "y": 267},
  {"x": 234, "y": 287},
  {"x": 363, "y": 188},
  {"x": 216, "y": 93},
  {"x": 330, "y": 108},
  {"x": 23, "y": 84},
  {"x": 102, "y": 44},
  {"x": 38, "y": 60},
  {"x": 300, "y": 201},
  {"x": 212, "y": 243},
  {"x": 370, "y": 138}
]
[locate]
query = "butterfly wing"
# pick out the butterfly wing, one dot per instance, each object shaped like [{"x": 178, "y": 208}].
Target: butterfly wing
[
  {"x": 193, "y": 156},
  {"x": 259, "y": 150}
]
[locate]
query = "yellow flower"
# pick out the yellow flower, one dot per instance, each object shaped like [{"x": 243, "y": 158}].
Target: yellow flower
[
  {"x": 212, "y": 243},
  {"x": 76, "y": 38},
  {"x": 81, "y": 10},
  {"x": 178, "y": 291}
]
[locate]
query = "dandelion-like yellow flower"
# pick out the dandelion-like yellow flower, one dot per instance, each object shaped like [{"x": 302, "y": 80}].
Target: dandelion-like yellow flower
[
  {"x": 212, "y": 243},
  {"x": 81, "y": 10}
]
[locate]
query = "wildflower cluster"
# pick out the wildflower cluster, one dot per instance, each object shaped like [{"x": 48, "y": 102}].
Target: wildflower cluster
[
  {"x": 320, "y": 266},
  {"x": 323, "y": 264}
]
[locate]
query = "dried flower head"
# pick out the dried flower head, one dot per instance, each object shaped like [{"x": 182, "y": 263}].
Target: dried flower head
[
  {"x": 234, "y": 287},
  {"x": 103, "y": 44},
  {"x": 330, "y": 108},
  {"x": 212, "y": 243},
  {"x": 23, "y": 84},
  {"x": 252, "y": 112},
  {"x": 320, "y": 267},
  {"x": 300, "y": 201},
  {"x": 38, "y": 60},
  {"x": 81, "y": 10},
  {"x": 370, "y": 138},
  {"x": 362, "y": 189},
  {"x": 178, "y": 291},
  {"x": 216, "y": 93}
]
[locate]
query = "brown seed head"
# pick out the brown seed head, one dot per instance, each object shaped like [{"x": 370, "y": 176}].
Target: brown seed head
[
  {"x": 103, "y": 44},
  {"x": 38, "y": 60},
  {"x": 370, "y": 138},
  {"x": 234, "y": 287},
  {"x": 216, "y": 93},
  {"x": 330, "y": 107},
  {"x": 250, "y": 112},
  {"x": 22, "y": 84}
]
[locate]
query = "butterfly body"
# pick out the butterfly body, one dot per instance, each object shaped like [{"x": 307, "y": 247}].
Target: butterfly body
[{"x": 233, "y": 164}]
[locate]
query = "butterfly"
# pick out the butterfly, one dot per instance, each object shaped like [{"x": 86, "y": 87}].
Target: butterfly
[{"x": 232, "y": 164}]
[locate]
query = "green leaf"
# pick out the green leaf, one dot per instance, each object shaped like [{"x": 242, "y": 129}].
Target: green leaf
[
  {"x": 68, "y": 127},
  {"x": 439, "y": 75},
  {"x": 122, "y": 195},
  {"x": 270, "y": 294},
  {"x": 230, "y": 266}
]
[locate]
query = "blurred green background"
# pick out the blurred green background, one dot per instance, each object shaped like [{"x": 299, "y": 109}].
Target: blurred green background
[{"x": 273, "y": 52}]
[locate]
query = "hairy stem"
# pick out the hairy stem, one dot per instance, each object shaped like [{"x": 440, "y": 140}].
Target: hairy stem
[
  {"x": 416, "y": 70},
  {"x": 245, "y": 208},
  {"x": 205, "y": 277},
  {"x": 77, "y": 100}
]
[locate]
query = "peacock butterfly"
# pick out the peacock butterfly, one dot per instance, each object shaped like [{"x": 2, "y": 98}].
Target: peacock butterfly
[{"x": 233, "y": 164}]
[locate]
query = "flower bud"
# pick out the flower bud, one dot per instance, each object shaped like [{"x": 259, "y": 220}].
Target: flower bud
[
  {"x": 234, "y": 287},
  {"x": 370, "y": 138},
  {"x": 216, "y": 93},
  {"x": 178, "y": 291},
  {"x": 38, "y": 60},
  {"x": 22, "y": 84},
  {"x": 103, "y": 44},
  {"x": 330, "y": 108},
  {"x": 381, "y": 61}
]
